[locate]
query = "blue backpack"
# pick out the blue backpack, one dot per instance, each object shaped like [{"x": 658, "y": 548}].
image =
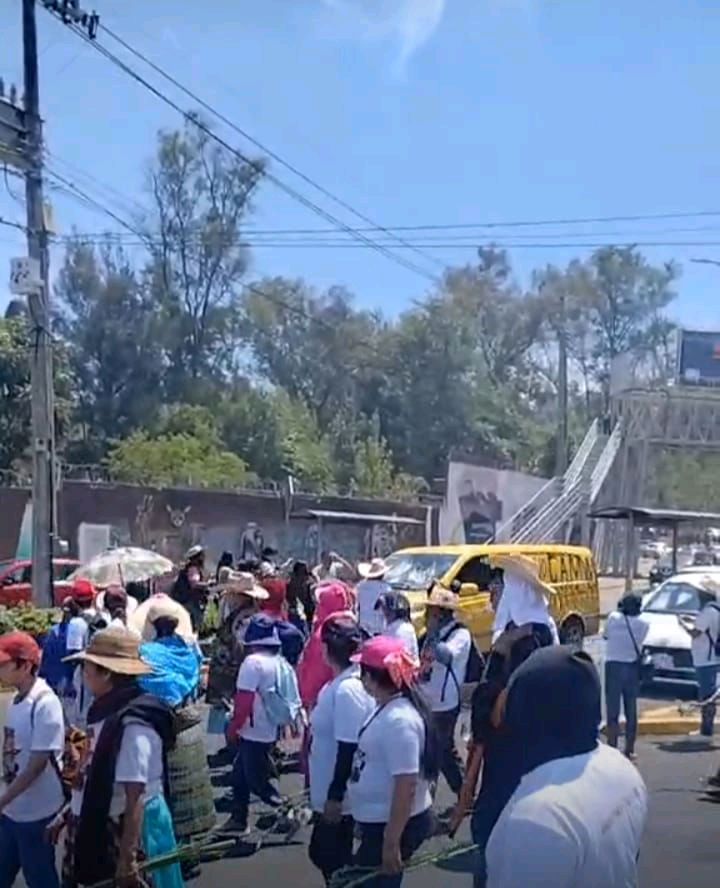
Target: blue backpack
[{"x": 282, "y": 702}]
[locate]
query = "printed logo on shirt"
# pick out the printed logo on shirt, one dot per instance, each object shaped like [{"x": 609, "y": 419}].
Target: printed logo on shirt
[
  {"x": 10, "y": 754},
  {"x": 358, "y": 765}
]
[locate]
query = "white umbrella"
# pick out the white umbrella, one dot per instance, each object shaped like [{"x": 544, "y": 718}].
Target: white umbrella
[{"x": 127, "y": 564}]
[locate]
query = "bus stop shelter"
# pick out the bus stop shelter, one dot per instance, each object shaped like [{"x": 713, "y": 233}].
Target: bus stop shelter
[{"x": 637, "y": 516}]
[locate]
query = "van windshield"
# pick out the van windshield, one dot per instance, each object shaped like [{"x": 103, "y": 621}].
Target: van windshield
[{"x": 408, "y": 571}]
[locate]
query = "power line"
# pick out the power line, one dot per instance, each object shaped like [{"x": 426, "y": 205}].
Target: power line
[
  {"x": 296, "y": 195},
  {"x": 262, "y": 147}
]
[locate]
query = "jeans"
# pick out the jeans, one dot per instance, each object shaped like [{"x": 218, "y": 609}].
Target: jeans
[
  {"x": 707, "y": 680},
  {"x": 369, "y": 852},
  {"x": 331, "y": 845},
  {"x": 253, "y": 772},
  {"x": 622, "y": 683},
  {"x": 23, "y": 847},
  {"x": 450, "y": 761}
]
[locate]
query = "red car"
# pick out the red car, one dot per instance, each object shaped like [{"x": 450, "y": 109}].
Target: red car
[{"x": 16, "y": 580}]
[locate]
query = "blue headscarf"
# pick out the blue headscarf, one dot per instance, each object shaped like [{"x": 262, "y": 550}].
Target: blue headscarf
[{"x": 176, "y": 669}]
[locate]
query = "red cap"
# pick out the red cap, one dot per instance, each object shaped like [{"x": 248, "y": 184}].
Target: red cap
[
  {"x": 375, "y": 651},
  {"x": 19, "y": 646},
  {"x": 83, "y": 590}
]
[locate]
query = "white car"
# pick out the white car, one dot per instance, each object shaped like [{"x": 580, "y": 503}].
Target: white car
[{"x": 666, "y": 652}]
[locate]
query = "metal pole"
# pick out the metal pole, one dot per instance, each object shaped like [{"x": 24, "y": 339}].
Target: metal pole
[
  {"x": 40, "y": 346},
  {"x": 562, "y": 439}
]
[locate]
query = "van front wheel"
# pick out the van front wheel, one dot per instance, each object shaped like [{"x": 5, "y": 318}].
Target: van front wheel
[{"x": 572, "y": 633}]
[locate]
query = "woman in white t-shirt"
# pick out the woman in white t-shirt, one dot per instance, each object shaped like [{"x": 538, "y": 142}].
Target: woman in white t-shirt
[
  {"x": 118, "y": 805},
  {"x": 625, "y": 633},
  {"x": 342, "y": 707},
  {"x": 394, "y": 764},
  {"x": 396, "y": 611}
]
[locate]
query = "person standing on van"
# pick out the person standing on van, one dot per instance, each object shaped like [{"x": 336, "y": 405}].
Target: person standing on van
[
  {"x": 394, "y": 764},
  {"x": 705, "y": 633},
  {"x": 444, "y": 653},
  {"x": 342, "y": 707},
  {"x": 625, "y": 633},
  {"x": 525, "y": 598},
  {"x": 32, "y": 793}
]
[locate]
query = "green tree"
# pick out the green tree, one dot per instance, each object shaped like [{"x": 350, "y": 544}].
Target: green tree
[
  {"x": 175, "y": 460},
  {"x": 306, "y": 453}
]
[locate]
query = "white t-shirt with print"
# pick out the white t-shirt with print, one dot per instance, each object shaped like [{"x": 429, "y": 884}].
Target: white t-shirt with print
[
  {"x": 703, "y": 649},
  {"x": 368, "y": 592},
  {"x": 391, "y": 744},
  {"x": 405, "y": 631},
  {"x": 572, "y": 821},
  {"x": 258, "y": 673},
  {"x": 343, "y": 706},
  {"x": 620, "y": 647},
  {"x": 139, "y": 761},
  {"x": 441, "y": 690},
  {"x": 34, "y": 724}
]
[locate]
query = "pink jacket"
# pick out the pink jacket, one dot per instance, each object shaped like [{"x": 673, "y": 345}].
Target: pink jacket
[{"x": 313, "y": 672}]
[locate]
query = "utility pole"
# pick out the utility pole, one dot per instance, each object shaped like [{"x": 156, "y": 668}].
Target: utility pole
[
  {"x": 562, "y": 437},
  {"x": 43, "y": 408}
]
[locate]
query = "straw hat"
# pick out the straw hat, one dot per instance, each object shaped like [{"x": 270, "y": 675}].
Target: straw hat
[
  {"x": 372, "y": 570},
  {"x": 160, "y": 604},
  {"x": 240, "y": 583},
  {"x": 524, "y": 568},
  {"x": 710, "y": 584},
  {"x": 115, "y": 650},
  {"x": 440, "y": 596}
]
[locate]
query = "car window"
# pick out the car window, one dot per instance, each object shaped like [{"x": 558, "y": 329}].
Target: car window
[
  {"x": 417, "y": 570},
  {"x": 62, "y": 571},
  {"x": 14, "y": 576},
  {"x": 675, "y": 597},
  {"x": 477, "y": 571}
]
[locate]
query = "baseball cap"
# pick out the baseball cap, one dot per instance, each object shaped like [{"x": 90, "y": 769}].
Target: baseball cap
[
  {"x": 19, "y": 646},
  {"x": 83, "y": 590}
]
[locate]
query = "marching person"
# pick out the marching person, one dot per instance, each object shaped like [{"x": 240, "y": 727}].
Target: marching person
[
  {"x": 33, "y": 743},
  {"x": 704, "y": 631},
  {"x": 190, "y": 589},
  {"x": 394, "y": 764},
  {"x": 118, "y": 806},
  {"x": 342, "y": 708},
  {"x": 625, "y": 633},
  {"x": 444, "y": 654},
  {"x": 395, "y": 609},
  {"x": 524, "y": 598},
  {"x": 578, "y": 815},
  {"x": 371, "y": 586}
]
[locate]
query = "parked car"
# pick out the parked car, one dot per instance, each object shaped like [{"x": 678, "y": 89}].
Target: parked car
[
  {"x": 667, "y": 652},
  {"x": 16, "y": 580}
]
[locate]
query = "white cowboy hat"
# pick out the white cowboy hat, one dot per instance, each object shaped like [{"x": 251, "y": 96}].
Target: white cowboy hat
[
  {"x": 372, "y": 570},
  {"x": 711, "y": 585},
  {"x": 524, "y": 568},
  {"x": 160, "y": 605},
  {"x": 240, "y": 583}
]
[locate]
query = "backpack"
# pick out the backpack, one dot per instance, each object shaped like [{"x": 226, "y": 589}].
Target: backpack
[
  {"x": 714, "y": 642},
  {"x": 72, "y": 753},
  {"x": 282, "y": 702},
  {"x": 475, "y": 664},
  {"x": 52, "y": 668}
]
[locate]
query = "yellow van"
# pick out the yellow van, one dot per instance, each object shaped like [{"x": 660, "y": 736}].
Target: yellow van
[{"x": 568, "y": 570}]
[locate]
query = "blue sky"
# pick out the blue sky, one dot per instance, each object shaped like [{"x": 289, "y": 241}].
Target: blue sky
[{"x": 415, "y": 112}]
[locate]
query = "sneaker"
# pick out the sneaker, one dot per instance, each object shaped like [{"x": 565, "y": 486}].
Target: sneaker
[
  {"x": 237, "y": 827},
  {"x": 631, "y": 757},
  {"x": 699, "y": 737}
]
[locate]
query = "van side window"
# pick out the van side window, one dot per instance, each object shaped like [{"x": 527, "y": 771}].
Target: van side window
[{"x": 477, "y": 571}]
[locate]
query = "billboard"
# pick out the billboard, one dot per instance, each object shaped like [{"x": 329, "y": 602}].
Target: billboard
[{"x": 699, "y": 358}]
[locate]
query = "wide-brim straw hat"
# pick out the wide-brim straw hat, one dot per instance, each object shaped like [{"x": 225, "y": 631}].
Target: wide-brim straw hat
[
  {"x": 160, "y": 604},
  {"x": 523, "y": 567},
  {"x": 710, "y": 584},
  {"x": 441, "y": 596},
  {"x": 116, "y": 650},
  {"x": 240, "y": 583},
  {"x": 372, "y": 570}
]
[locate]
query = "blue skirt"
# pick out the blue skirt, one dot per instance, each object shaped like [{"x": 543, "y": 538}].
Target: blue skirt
[{"x": 158, "y": 837}]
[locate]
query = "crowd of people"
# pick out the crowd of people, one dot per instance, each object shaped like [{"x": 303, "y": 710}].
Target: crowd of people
[{"x": 104, "y": 745}]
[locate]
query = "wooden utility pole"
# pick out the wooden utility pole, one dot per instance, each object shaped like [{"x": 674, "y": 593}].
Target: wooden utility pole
[{"x": 43, "y": 410}]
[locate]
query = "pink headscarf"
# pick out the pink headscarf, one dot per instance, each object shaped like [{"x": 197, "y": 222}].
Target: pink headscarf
[{"x": 313, "y": 672}]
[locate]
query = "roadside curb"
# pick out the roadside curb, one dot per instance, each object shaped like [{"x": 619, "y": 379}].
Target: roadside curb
[{"x": 663, "y": 721}]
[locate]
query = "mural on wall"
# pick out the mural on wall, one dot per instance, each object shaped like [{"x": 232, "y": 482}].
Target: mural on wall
[{"x": 479, "y": 499}]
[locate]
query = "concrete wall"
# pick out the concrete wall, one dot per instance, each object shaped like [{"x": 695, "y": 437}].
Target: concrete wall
[{"x": 171, "y": 520}]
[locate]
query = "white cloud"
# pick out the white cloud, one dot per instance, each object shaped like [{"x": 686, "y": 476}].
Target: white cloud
[{"x": 409, "y": 24}]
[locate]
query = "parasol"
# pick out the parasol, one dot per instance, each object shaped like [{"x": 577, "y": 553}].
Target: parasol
[{"x": 117, "y": 567}]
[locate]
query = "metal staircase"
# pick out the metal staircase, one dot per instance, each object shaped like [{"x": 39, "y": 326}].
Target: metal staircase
[{"x": 554, "y": 511}]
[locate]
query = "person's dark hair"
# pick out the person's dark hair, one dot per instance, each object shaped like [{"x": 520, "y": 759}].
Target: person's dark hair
[
  {"x": 300, "y": 569},
  {"x": 496, "y": 573},
  {"x": 249, "y": 565},
  {"x": 430, "y": 758},
  {"x": 396, "y": 605},
  {"x": 72, "y": 607},
  {"x": 165, "y": 626},
  {"x": 630, "y": 605},
  {"x": 116, "y": 602},
  {"x": 342, "y": 637},
  {"x": 226, "y": 560},
  {"x": 33, "y": 668}
]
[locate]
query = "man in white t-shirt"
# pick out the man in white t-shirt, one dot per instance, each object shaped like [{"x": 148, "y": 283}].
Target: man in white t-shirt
[
  {"x": 31, "y": 794},
  {"x": 368, "y": 591},
  {"x": 578, "y": 814},
  {"x": 253, "y": 772},
  {"x": 705, "y": 630},
  {"x": 444, "y": 656}
]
